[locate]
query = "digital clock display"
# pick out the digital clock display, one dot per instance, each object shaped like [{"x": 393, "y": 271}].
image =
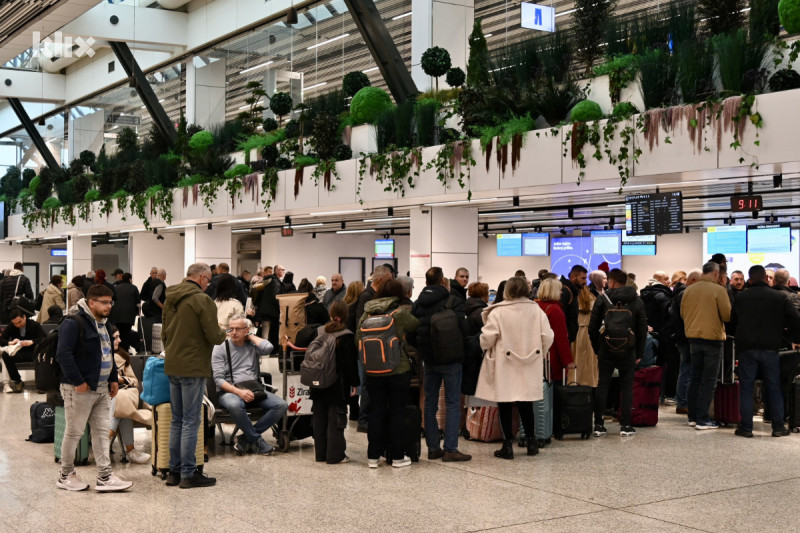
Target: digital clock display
[{"x": 746, "y": 203}]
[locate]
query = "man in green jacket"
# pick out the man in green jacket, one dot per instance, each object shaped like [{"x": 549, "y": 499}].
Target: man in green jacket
[{"x": 190, "y": 333}]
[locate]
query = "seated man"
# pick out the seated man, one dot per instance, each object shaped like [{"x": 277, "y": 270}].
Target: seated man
[
  {"x": 25, "y": 332},
  {"x": 245, "y": 350}
]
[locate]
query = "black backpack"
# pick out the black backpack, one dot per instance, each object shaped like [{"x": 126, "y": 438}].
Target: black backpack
[
  {"x": 447, "y": 342},
  {"x": 46, "y": 368},
  {"x": 43, "y": 423},
  {"x": 617, "y": 329}
]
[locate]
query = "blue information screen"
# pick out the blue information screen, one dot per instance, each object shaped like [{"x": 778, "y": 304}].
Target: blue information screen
[
  {"x": 535, "y": 244},
  {"x": 769, "y": 238},
  {"x": 509, "y": 245},
  {"x": 638, "y": 245},
  {"x": 606, "y": 242},
  {"x": 727, "y": 240},
  {"x": 565, "y": 252},
  {"x": 384, "y": 248}
]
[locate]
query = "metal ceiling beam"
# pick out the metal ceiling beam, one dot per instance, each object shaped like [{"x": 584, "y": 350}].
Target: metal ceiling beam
[
  {"x": 383, "y": 49},
  {"x": 146, "y": 93},
  {"x": 33, "y": 133}
]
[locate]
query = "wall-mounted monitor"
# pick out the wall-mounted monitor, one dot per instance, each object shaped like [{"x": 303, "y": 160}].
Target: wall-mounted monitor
[
  {"x": 727, "y": 239},
  {"x": 654, "y": 214},
  {"x": 769, "y": 238},
  {"x": 509, "y": 244},
  {"x": 606, "y": 242},
  {"x": 3, "y": 222},
  {"x": 384, "y": 248},
  {"x": 642, "y": 245},
  {"x": 566, "y": 252},
  {"x": 743, "y": 261},
  {"x": 535, "y": 244}
]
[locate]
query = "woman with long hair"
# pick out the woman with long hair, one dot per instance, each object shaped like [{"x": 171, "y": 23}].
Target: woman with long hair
[
  {"x": 227, "y": 303},
  {"x": 582, "y": 351},
  {"x": 354, "y": 290},
  {"x": 330, "y": 404},
  {"x": 550, "y": 302},
  {"x": 516, "y": 334}
]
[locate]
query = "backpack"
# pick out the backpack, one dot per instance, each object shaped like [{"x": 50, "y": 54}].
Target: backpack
[
  {"x": 447, "y": 342},
  {"x": 318, "y": 369},
  {"x": 618, "y": 328},
  {"x": 46, "y": 368},
  {"x": 379, "y": 349},
  {"x": 292, "y": 314},
  {"x": 155, "y": 383},
  {"x": 43, "y": 423}
]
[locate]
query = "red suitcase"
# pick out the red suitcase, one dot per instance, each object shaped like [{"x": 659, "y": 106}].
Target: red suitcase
[
  {"x": 726, "y": 395},
  {"x": 646, "y": 393}
]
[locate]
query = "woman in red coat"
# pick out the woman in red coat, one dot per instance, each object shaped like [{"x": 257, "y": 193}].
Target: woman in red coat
[{"x": 550, "y": 302}]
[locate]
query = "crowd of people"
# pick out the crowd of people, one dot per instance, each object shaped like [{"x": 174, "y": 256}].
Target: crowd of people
[{"x": 586, "y": 327}]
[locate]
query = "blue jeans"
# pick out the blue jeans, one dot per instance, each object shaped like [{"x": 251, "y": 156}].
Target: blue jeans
[
  {"x": 706, "y": 356},
  {"x": 186, "y": 401},
  {"x": 684, "y": 375},
  {"x": 434, "y": 375},
  {"x": 750, "y": 362},
  {"x": 274, "y": 406}
]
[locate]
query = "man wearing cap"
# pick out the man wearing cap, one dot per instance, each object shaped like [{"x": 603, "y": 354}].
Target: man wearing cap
[{"x": 117, "y": 276}]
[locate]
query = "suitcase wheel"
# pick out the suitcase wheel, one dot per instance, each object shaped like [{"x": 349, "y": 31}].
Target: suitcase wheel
[
  {"x": 585, "y": 436},
  {"x": 85, "y": 462},
  {"x": 465, "y": 434},
  {"x": 558, "y": 437},
  {"x": 55, "y": 459},
  {"x": 154, "y": 471},
  {"x": 544, "y": 442}
]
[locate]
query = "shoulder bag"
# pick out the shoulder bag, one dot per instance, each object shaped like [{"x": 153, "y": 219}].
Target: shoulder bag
[{"x": 253, "y": 385}]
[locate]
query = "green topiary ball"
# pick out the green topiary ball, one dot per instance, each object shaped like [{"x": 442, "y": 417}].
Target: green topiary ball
[
  {"x": 455, "y": 77},
  {"x": 624, "y": 110},
  {"x": 281, "y": 104},
  {"x": 586, "y": 111},
  {"x": 789, "y": 13},
  {"x": 91, "y": 196},
  {"x": 270, "y": 124},
  {"x": 784, "y": 80},
  {"x": 201, "y": 141},
  {"x": 368, "y": 104},
  {"x": 353, "y": 82},
  {"x": 34, "y": 183},
  {"x": 51, "y": 203},
  {"x": 435, "y": 61}
]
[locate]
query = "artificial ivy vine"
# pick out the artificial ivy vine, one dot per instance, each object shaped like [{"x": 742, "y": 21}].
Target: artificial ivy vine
[{"x": 395, "y": 169}]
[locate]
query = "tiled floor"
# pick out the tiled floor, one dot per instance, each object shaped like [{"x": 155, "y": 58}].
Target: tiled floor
[{"x": 669, "y": 478}]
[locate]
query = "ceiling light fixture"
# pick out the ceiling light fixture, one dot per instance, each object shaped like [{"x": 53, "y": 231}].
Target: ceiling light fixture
[
  {"x": 335, "y": 212},
  {"x": 304, "y": 225},
  {"x": 462, "y": 202},
  {"x": 180, "y": 227},
  {"x": 132, "y": 230},
  {"x": 331, "y": 40},
  {"x": 251, "y": 69},
  {"x": 356, "y": 231},
  {"x": 246, "y": 230},
  {"x": 373, "y": 69},
  {"x": 258, "y": 219},
  {"x": 404, "y": 15},
  {"x": 315, "y": 86},
  {"x": 387, "y": 219}
]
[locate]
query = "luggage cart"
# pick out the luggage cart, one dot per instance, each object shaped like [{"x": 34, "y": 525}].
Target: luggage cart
[{"x": 296, "y": 424}]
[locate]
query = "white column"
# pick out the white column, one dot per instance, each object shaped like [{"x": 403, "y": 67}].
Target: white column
[
  {"x": 10, "y": 253},
  {"x": 446, "y": 237},
  {"x": 210, "y": 246},
  {"x": 205, "y": 91},
  {"x": 452, "y": 35},
  {"x": 79, "y": 256},
  {"x": 270, "y": 254}
]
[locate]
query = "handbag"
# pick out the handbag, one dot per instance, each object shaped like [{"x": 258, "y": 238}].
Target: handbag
[
  {"x": 24, "y": 303},
  {"x": 253, "y": 385}
]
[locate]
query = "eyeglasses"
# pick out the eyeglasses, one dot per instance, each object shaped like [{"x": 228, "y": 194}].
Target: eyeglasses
[
  {"x": 239, "y": 329},
  {"x": 104, "y": 302},
  {"x": 208, "y": 280}
]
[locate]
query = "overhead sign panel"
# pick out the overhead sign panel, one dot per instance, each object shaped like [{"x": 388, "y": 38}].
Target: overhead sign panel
[{"x": 536, "y": 17}]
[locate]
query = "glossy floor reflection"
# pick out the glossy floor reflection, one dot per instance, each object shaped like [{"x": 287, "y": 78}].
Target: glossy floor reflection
[{"x": 669, "y": 478}]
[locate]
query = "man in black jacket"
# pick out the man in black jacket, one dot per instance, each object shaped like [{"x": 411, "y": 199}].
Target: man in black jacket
[
  {"x": 14, "y": 284},
  {"x": 266, "y": 302},
  {"x": 436, "y": 297},
  {"x": 569, "y": 298},
  {"x": 27, "y": 333},
  {"x": 458, "y": 285},
  {"x": 610, "y": 354},
  {"x": 147, "y": 287},
  {"x": 125, "y": 310},
  {"x": 760, "y": 315}
]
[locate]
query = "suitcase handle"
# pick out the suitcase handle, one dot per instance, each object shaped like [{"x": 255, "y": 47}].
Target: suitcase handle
[{"x": 564, "y": 376}]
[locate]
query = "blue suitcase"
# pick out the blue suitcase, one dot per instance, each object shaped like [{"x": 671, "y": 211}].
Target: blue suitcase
[{"x": 542, "y": 411}]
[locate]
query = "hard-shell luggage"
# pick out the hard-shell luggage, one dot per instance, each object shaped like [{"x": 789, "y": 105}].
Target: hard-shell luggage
[
  {"x": 726, "y": 395},
  {"x": 790, "y": 387},
  {"x": 646, "y": 394},
  {"x": 292, "y": 315},
  {"x": 573, "y": 409},
  {"x": 157, "y": 346},
  {"x": 162, "y": 418},
  {"x": 82, "y": 451},
  {"x": 543, "y": 410}
]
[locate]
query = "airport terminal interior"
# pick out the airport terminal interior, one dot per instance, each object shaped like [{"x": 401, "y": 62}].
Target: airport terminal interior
[{"x": 337, "y": 136}]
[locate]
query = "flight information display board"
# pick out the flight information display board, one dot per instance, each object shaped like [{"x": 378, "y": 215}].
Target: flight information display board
[
  {"x": 641, "y": 245},
  {"x": 606, "y": 242},
  {"x": 727, "y": 239},
  {"x": 769, "y": 238},
  {"x": 654, "y": 214}
]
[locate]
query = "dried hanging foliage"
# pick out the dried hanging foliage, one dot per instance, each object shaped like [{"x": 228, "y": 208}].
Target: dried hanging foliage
[
  {"x": 298, "y": 179},
  {"x": 250, "y": 183},
  {"x": 489, "y": 153},
  {"x": 456, "y": 157},
  {"x": 516, "y": 151}
]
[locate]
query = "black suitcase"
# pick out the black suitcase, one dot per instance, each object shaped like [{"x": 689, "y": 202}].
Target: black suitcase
[
  {"x": 793, "y": 411},
  {"x": 573, "y": 409}
]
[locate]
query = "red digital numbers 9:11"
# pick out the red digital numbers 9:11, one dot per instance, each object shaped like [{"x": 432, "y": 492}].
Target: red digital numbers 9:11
[{"x": 746, "y": 203}]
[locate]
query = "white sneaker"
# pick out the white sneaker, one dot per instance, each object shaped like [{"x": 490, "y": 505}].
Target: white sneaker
[
  {"x": 372, "y": 463},
  {"x": 7, "y": 388},
  {"x": 139, "y": 458},
  {"x": 400, "y": 463},
  {"x": 112, "y": 484},
  {"x": 71, "y": 482},
  {"x": 692, "y": 423}
]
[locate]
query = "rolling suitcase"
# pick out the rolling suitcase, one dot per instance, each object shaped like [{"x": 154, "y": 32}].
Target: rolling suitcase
[
  {"x": 726, "y": 395},
  {"x": 793, "y": 410},
  {"x": 543, "y": 410},
  {"x": 646, "y": 393},
  {"x": 162, "y": 418},
  {"x": 573, "y": 409},
  {"x": 157, "y": 346},
  {"x": 82, "y": 451}
]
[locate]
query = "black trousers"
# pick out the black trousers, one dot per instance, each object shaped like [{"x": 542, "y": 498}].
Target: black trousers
[
  {"x": 11, "y": 366},
  {"x": 329, "y": 422},
  {"x": 606, "y": 366},
  {"x": 506, "y": 414},
  {"x": 388, "y": 396}
]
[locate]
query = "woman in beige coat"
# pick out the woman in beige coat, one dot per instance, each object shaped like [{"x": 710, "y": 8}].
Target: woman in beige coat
[
  {"x": 583, "y": 354},
  {"x": 516, "y": 335},
  {"x": 74, "y": 293},
  {"x": 51, "y": 296}
]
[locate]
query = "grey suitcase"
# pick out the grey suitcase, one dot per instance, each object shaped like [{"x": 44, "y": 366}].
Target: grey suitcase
[
  {"x": 156, "y": 345},
  {"x": 543, "y": 410}
]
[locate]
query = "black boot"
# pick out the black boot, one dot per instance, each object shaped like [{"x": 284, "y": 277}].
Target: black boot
[
  {"x": 533, "y": 447},
  {"x": 507, "y": 451}
]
